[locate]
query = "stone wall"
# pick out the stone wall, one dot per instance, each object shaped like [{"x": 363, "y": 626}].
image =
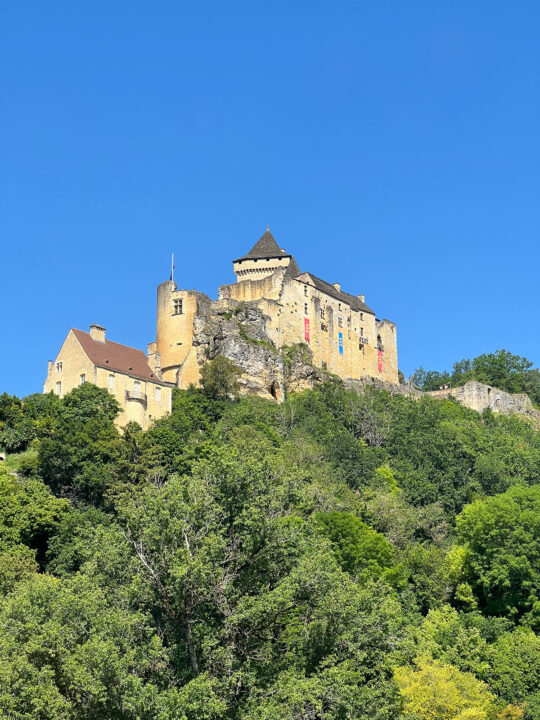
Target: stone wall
[{"x": 480, "y": 397}]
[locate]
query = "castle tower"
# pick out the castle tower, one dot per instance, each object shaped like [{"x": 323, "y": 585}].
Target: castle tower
[
  {"x": 264, "y": 258},
  {"x": 175, "y": 312}
]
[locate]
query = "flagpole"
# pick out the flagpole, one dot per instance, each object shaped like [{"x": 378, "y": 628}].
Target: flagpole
[{"x": 172, "y": 267}]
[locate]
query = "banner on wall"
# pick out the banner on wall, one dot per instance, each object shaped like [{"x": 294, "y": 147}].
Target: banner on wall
[
  {"x": 306, "y": 329},
  {"x": 340, "y": 343},
  {"x": 380, "y": 361}
]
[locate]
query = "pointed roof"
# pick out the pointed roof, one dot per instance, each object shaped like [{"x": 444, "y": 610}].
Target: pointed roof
[
  {"x": 292, "y": 269},
  {"x": 114, "y": 356},
  {"x": 265, "y": 247}
]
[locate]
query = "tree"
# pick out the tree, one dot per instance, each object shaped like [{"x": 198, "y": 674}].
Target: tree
[
  {"x": 359, "y": 549},
  {"x": 219, "y": 378},
  {"x": 501, "y": 537},
  {"x": 435, "y": 691}
]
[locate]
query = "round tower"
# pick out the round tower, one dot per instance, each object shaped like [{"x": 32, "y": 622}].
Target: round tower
[{"x": 174, "y": 323}]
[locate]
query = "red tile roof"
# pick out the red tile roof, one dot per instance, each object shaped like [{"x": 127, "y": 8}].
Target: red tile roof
[{"x": 113, "y": 356}]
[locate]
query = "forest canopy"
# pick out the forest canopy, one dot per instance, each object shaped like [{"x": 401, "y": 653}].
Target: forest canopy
[{"x": 337, "y": 556}]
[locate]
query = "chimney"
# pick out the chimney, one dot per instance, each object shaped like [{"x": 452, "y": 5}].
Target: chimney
[
  {"x": 49, "y": 366},
  {"x": 362, "y": 298},
  {"x": 97, "y": 332},
  {"x": 337, "y": 286}
]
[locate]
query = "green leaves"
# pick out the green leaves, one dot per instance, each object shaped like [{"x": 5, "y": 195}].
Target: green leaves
[{"x": 501, "y": 536}]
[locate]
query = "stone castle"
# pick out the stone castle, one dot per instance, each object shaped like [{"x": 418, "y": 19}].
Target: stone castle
[
  {"x": 281, "y": 326},
  {"x": 340, "y": 330}
]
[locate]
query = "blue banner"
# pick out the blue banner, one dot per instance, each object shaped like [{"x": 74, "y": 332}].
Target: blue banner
[{"x": 340, "y": 342}]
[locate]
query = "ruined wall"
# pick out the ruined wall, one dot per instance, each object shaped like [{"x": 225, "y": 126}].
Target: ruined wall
[{"x": 480, "y": 397}]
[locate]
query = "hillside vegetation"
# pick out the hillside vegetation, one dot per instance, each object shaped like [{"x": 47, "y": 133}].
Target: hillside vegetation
[{"x": 335, "y": 557}]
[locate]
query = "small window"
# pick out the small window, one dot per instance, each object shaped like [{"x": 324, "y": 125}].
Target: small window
[
  {"x": 111, "y": 382},
  {"x": 58, "y": 367},
  {"x": 339, "y": 306},
  {"x": 322, "y": 313},
  {"x": 178, "y": 307},
  {"x": 58, "y": 388},
  {"x": 305, "y": 308},
  {"x": 305, "y": 290},
  {"x": 362, "y": 331},
  {"x": 137, "y": 389},
  {"x": 361, "y": 316},
  {"x": 340, "y": 322},
  {"x": 158, "y": 394},
  {"x": 83, "y": 378}
]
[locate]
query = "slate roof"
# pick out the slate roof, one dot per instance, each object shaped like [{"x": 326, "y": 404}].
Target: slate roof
[
  {"x": 292, "y": 269},
  {"x": 265, "y": 247},
  {"x": 114, "y": 356},
  {"x": 344, "y": 297}
]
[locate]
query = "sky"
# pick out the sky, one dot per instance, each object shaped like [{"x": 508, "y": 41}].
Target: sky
[{"x": 391, "y": 146}]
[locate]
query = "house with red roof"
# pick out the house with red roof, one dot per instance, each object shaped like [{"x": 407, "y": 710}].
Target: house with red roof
[{"x": 122, "y": 370}]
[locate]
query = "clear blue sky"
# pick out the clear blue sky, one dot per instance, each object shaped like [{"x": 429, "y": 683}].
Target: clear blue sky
[{"x": 392, "y": 146}]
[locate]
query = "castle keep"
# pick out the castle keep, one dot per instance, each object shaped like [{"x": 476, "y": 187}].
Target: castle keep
[{"x": 341, "y": 330}]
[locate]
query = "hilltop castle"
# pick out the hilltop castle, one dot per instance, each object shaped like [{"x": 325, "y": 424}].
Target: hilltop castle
[
  {"x": 272, "y": 306},
  {"x": 342, "y": 331}
]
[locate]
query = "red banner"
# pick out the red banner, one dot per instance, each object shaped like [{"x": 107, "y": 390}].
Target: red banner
[
  {"x": 306, "y": 329},
  {"x": 380, "y": 361}
]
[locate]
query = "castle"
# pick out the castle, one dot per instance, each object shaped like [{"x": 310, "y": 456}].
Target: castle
[
  {"x": 272, "y": 306},
  {"x": 342, "y": 332}
]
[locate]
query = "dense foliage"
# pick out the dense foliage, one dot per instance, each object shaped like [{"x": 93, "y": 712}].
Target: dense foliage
[
  {"x": 508, "y": 372},
  {"x": 338, "y": 556}
]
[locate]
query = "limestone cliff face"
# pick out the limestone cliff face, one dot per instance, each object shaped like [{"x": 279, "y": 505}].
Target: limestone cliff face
[{"x": 240, "y": 335}]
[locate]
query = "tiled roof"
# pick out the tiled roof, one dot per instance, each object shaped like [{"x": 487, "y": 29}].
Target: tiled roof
[
  {"x": 344, "y": 297},
  {"x": 292, "y": 269},
  {"x": 265, "y": 247},
  {"x": 113, "y": 356}
]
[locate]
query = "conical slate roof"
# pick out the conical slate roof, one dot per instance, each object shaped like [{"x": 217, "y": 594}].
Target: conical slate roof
[
  {"x": 265, "y": 247},
  {"x": 292, "y": 269}
]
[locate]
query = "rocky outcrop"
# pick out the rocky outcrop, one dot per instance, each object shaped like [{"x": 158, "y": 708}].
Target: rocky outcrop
[
  {"x": 480, "y": 397},
  {"x": 240, "y": 335}
]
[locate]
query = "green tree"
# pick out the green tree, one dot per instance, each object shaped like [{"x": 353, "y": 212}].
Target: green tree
[
  {"x": 219, "y": 378},
  {"x": 360, "y": 550},
  {"x": 501, "y": 537},
  {"x": 435, "y": 691}
]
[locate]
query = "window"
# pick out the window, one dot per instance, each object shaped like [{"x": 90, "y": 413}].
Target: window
[
  {"x": 340, "y": 322},
  {"x": 111, "y": 382},
  {"x": 361, "y": 316},
  {"x": 322, "y": 313},
  {"x": 305, "y": 290},
  {"x": 136, "y": 389},
  {"x": 339, "y": 306},
  {"x": 178, "y": 307},
  {"x": 362, "y": 331},
  {"x": 58, "y": 367},
  {"x": 158, "y": 394},
  {"x": 305, "y": 308},
  {"x": 58, "y": 388},
  {"x": 83, "y": 378}
]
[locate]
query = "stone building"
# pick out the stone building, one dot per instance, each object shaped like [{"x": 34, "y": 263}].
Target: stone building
[
  {"x": 89, "y": 357},
  {"x": 341, "y": 330}
]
